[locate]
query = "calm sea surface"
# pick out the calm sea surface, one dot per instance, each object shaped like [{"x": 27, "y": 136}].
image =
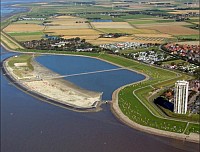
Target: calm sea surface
[{"x": 31, "y": 125}]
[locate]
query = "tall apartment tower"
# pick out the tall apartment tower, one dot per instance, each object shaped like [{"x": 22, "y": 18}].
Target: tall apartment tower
[{"x": 181, "y": 97}]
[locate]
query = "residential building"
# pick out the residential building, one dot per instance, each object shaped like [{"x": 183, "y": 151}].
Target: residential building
[{"x": 181, "y": 97}]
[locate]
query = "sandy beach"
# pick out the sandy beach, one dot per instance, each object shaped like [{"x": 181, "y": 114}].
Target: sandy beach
[{"x": 59, "y": 90}]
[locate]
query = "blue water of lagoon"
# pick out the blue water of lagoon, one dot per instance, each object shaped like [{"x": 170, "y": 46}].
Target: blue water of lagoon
[
  {"x": 106, "y": 82},
  {"x": 101, "y": 20}
]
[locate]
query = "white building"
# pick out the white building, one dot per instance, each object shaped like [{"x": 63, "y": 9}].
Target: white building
[{"x": 181, "y": 97}]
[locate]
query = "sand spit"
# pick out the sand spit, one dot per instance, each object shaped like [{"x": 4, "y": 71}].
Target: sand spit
[{"x": 57, "y": 90}]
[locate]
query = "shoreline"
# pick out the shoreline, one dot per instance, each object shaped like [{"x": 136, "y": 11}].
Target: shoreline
[
  {"x": 124, "y": 119},
  {"x": 192, "y": 137},
  {"x": 57, "y": 91}
]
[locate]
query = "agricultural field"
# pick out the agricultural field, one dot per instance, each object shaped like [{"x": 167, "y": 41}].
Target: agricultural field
[
  {"x": 152, "y": 38},
  {"x": 128, "y": 31},
  {"x": 73, "y": 32},
  {"x": 114, "y": 25},
  {"x": 189, "y": 43},
  {"x": 188, "y": 37},
  {"x": 9, "y": 42},
  {"x": 24, "y": 36},
  {"x": 23, "y": 28},
  {"x": 149, "y": 21},
  {"x": 184, "y": 11},
  {"x": 164, "y": 24},
  {"x": 154, "y": 35},
  {"x": 66, "y": 22},
  {"x": 173, "y": 30}
]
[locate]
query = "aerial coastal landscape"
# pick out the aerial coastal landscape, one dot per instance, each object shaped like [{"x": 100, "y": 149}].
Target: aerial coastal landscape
[{"x": 130, "y": 64}]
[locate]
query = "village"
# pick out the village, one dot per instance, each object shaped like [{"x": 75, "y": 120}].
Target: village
[
  {"x": 60, "y": 44},
  {"x": 150, "y": 54},
  {"x": 189, "y": 52}
]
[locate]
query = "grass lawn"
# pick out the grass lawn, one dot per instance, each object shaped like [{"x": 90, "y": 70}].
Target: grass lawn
[
  {"x": 175, "y": 61},
  {"x": 137, "y": 112},
  {"x": 194, "y": 128},
  {"x": 137, "y": 107},
  {"x": 21, "y": 71},
  {"x": 138, "y": 50},
  {"x": 21, "y": 59}
]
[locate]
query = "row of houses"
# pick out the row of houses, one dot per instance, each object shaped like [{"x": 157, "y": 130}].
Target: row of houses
[
  {"x": 31, "y": 18},
  {"x": 190, "y": 52}
]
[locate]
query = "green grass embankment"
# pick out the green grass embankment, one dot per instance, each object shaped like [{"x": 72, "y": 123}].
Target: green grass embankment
[
  {"x": 10, "y": 42},
  {"x": 133, "y": 100},
  {"x": 91, "y": 54}
]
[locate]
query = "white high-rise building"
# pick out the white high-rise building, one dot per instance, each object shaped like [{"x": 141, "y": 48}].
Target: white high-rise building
[{"x": 181, "y": 97}]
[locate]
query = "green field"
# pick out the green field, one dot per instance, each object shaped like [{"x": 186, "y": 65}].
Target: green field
[
  {"x": 25, "y": 33},
  {"x": 21, "y": 59},
  {"x": 188, "y": 37},
  {"x": 29, "y": 22},
  {"x": 133, "y": 100},
  {"x": 148, "y": 21},
  {"x": 139, "y": 50},
  {"x": 26, "y": 36}
]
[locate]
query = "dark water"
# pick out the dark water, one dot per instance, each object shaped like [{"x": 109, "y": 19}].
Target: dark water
[
  {"x": 31, "y": 125},
  {"x": 101, "y": 20},
  {"x": 105, "y": 82}
]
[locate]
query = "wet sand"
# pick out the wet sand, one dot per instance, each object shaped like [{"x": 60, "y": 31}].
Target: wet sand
[{"x": 58, "y": 90}]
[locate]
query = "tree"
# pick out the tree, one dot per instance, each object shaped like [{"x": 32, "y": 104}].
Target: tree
[
  {"x": 197, "y": 73},
  {"x": 83, "y": 40},
  {"x": 173, "y": 63},
  {"x": 77, "y": 39}
]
